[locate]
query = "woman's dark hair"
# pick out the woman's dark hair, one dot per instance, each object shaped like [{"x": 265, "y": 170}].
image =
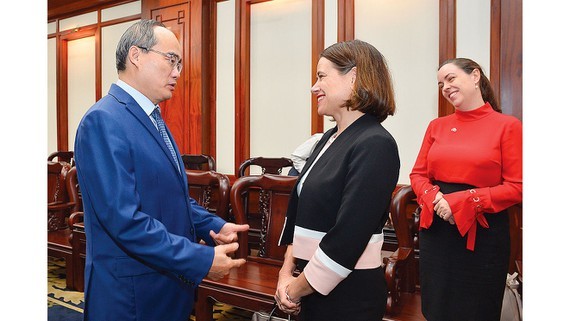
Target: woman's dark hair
[
  {"x": 373, "y": 91},
  {"x": 140, "y": 34},
  {"x": 468, "y": 65}
]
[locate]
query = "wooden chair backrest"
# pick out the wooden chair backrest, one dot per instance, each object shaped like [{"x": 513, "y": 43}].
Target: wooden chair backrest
[
  {"x": 200, "y": 162},
  {"x": 404, "y": 214},
  {"x": 269, "y": 165},
  {"x": 56, "y": 189},
  {"x": 73, "y": 190},
  {"x": 59, "y": 205},
  {"x": 211, "y": 190},
  {"x": 62, "y": 156},
  {"x": 274, "y": 192}
]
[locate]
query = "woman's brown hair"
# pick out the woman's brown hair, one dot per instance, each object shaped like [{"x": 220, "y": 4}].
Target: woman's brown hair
[{"x": 373, "y": 90}]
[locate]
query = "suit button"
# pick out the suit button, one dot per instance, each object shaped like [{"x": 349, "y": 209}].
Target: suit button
[{"x": 192, "y": 230}]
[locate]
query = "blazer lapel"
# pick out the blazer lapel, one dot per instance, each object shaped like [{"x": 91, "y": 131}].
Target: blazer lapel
[
  {"x": 134, "y": 108},
  {"x": 317, "y": 150}
]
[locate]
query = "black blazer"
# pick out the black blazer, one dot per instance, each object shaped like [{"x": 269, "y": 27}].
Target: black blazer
[{"x": 347, "y": 193}]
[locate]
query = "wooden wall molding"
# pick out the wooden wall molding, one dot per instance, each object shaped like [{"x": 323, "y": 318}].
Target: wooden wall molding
[
  {"x": 345, "y": 26},
  {"x": 318, "y": 45},
  {"x": 59, "y": 9},
  {"x": 509, "y": 56},
  {"x": 190, "y": 113},
  {"x": 447, "y": 45},
  {"x": 242, "y": 82}
]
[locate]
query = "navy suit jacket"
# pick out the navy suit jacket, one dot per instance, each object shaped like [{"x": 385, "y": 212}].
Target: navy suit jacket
[{"x": 143, "y": 260}]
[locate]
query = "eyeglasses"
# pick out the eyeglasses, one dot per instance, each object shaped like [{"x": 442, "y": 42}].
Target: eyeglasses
[{"x": 174, "y": 60}]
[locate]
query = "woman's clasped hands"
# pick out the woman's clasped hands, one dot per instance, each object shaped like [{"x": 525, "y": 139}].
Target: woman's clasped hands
[{"x": 442, "y": 208}]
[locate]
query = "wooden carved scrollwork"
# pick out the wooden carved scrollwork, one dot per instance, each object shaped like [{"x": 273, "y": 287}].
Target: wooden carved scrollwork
[
  {"x": 264, "y": 198},
  {"x": 207, "y": 198}
]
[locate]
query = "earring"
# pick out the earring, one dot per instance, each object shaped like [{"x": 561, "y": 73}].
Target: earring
[{"x": 476, "y": 86}]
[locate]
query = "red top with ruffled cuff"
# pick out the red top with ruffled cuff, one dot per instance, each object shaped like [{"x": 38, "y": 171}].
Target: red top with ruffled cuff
[{"x": 482, "y": 148}]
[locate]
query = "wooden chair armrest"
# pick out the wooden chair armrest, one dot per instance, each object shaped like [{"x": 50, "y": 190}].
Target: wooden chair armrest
[
  {"x": 395, "y": 264},
  {"x": 75, "y": 218},
  {"x": 401, "y": 254},
  {"x": 397, "y": 260}
]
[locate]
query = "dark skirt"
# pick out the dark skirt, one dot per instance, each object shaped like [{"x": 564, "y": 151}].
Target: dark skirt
[
  {"x": 458, "y": 284},
  {"x": 360, "y": 297}
]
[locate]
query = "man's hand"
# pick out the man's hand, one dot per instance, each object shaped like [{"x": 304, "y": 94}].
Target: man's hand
[
  {"x": 222, "y": 263},
  {"x": 228, "y": 233}
]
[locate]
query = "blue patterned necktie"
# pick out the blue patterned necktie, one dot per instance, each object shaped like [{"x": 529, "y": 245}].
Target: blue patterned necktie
[{"x": 162, "y": 130}]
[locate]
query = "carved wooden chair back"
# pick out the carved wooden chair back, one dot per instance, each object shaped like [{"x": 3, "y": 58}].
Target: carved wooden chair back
[
  {"x": 404, "y": 214},
  {"x": 274, "y": 192},
  {"x": 62, "y": 156},
  {"x": 269, "y": 165},
  {"x": 59, "y": 205},
  {"x": 200, "y": 162},
  {"x": 211, "y": 190},
  {"x": 74, "y": 192}
]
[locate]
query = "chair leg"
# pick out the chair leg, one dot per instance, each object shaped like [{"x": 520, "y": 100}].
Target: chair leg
[
  {"x": 204, "y": 307},
  {"x": 69, "y": 277}
]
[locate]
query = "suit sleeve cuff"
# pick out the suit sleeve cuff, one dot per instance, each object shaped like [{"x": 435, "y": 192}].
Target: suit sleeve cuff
[{"x": 324, "y": 274}]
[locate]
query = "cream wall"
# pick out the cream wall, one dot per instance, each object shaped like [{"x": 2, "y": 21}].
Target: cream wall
[
  {"x": 110, "y": 37},
  {"x": 406, "y": 32},
  {"x": 80, "y": 82},
  {"x": 225, "y": 87},
  {"x": 474, "y": 31},
  {"x": 280, "y": 77}
]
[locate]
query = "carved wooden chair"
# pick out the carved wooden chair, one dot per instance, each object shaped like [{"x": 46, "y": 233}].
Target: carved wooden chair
[
  {"x": 75, "y": 279},
  {"x": 269, "y": 165},
  {"x": 59, "y": 205},
  {"x": 62, "y": 156},
  {"x": 253, "y": 285},
  {"x": 200, "y": 162},
  {"x": 211, "y": 190}
]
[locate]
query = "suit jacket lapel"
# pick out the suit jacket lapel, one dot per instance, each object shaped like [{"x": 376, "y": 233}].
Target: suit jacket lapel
[{"x": 134, "y": 108}]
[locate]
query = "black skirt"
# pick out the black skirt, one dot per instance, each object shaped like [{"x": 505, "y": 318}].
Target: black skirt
[
  {"x": 360, "y": 297},
  {"x": 458, "y": 284}
]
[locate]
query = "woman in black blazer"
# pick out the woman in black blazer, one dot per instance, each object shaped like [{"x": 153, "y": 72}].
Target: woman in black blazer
[{"x": 339, "y": 206}]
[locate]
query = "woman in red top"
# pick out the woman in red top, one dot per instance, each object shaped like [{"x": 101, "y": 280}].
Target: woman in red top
[{"x": 468, "y": 172}]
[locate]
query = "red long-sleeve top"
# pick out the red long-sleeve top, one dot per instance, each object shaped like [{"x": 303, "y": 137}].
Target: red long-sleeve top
[{"x": 482, "y": 148}]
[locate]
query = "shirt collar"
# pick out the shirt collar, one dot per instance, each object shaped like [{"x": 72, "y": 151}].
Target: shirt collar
[{"x": 141, "y": 99}]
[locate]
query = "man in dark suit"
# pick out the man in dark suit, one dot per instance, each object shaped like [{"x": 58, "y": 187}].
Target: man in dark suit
[{"x": 144, "y": 261}]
